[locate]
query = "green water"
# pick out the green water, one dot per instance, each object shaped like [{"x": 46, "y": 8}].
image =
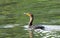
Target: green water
[{"x": 12, "y": 12}]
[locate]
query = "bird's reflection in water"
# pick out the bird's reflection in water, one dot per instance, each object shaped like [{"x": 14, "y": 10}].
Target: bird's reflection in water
[{"x": 47, "y": 33}]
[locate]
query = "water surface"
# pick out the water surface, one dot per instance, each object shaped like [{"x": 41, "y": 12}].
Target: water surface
[
  {"x": 19, "y": 31},
  {"x": 51, "y": 31}
]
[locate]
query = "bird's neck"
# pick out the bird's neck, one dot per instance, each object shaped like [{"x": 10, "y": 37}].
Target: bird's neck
[{"x": 31, "y": 21}]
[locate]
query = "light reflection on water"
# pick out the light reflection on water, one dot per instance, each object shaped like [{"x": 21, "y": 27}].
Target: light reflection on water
[
  {"x": 9, "y": 25},
  {"x": 51, "y": 31},
  {"x": 47, "y": 27}
]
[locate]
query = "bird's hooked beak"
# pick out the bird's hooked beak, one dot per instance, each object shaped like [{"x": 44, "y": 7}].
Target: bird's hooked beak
[{"x": 28, "y": 14}]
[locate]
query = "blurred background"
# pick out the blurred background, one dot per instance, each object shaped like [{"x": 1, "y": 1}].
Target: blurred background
[{"x": 12, "y": 16}]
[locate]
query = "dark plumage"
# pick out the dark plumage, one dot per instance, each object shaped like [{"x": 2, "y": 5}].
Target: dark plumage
[{"x": 31, "y": 22}]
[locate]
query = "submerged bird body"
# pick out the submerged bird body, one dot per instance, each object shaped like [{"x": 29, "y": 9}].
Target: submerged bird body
[
  {"x": 37, "y": 27},
  {"x": 31, "y": 22}
]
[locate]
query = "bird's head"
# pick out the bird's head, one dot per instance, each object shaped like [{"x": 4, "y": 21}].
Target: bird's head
[{"x": 28, "y": 14}]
